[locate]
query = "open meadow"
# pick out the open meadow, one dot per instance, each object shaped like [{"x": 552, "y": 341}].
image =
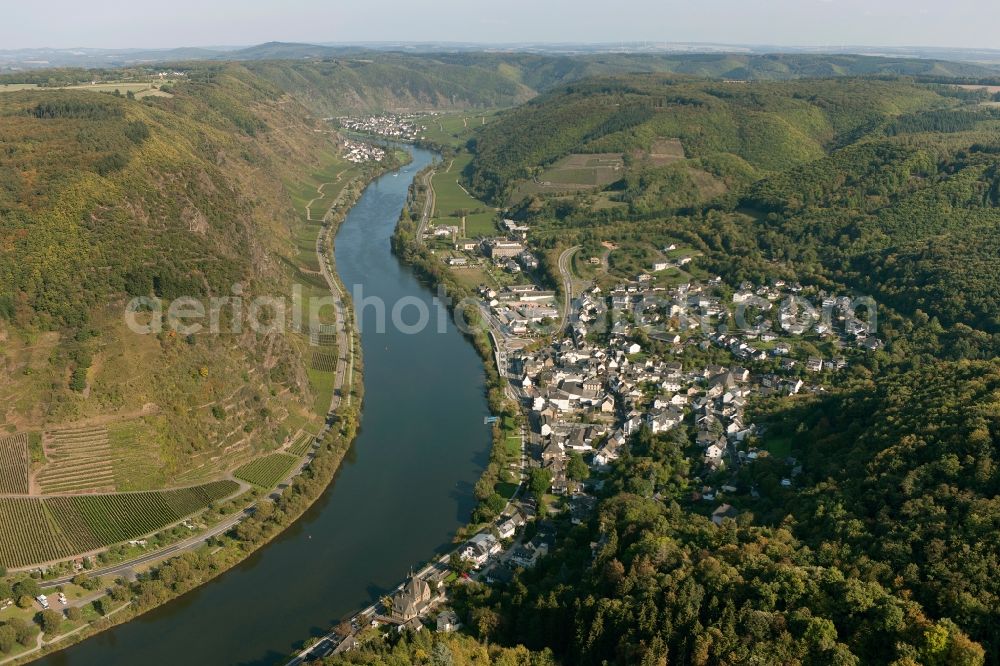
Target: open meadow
[{"x": 453, "y": 203}]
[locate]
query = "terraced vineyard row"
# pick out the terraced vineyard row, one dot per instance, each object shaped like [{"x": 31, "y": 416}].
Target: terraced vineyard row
[
  {"x": 34, "y": 530},
  {"x": 266, "y": 472},
  {"x": 302, "y": 443},
  {"x": 79, "y": 459},
  {"x": 14, "y": 464}
]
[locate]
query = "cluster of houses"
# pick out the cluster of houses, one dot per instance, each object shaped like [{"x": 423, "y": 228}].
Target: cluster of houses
[
  {"x": 590, "y": 399},
  {"x": 505, "y": 253},
  {"x": 399, "y": 127},
  {"x": 520, "y": 310},
  {"x": 360, "y": 152},
  {"x": 589, "y": 394}
]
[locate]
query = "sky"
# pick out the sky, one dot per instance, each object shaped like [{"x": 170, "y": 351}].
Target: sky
[{"x": 147, "y": 24}]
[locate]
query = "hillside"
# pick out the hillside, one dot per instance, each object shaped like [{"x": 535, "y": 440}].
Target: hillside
[
  {"x": 335, "y": 80},
  {"x": 731, "y": 130},
  {"x": 884, "y": 557},
  {"x": 879, "y": 186},
  {"x": 864, "y": 501},
  {"x": 197, "y": 192},
  {"x": 391, "y": 82}
]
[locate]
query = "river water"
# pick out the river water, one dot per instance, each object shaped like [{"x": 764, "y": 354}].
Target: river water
[{"x": 403, "y": 490}]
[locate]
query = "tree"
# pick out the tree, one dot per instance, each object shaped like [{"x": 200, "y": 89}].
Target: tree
[
  {"x": 441, "y": 654},
  {"x": 8, "y": 636},
  {"x": 495, "y": 503},
  {"x": 577, "y": 468},
  {"x": 486, "y": 622},
  {"x": 540, "y": 480},
  {"x": 27, "y": 587},
  {"x": 50, "y": 620},
  {"x": 73, "y": 614},
  {"x": 458, "y": 563}
]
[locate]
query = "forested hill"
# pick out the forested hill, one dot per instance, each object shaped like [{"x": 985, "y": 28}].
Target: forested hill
[
  {"x": 342, "y": 80},
  {"x": 185, "y": 192},
  {"x": 337, "y": 80},
  {"x": 732, "y": 126},
  {"x": 391, "y": 82},
  {"x": 888, "y": 187}
]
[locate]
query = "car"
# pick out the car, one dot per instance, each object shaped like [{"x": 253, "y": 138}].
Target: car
[{"x": 43, "y": 601}]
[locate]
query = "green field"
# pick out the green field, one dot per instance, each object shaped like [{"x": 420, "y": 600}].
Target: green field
[
  {"x": 35, "y": 530},
  {"x": 268, "y": 471},
  {"x": 575, "y": 172},
  {"x": 452, "y": 129},
  {"x": 139, "y": 89},
  {"x": 136, "y": 455},
  {"x": 452, "y": 202}
]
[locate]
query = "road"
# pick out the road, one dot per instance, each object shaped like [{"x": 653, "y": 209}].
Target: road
[
  {"x": 429, "y": 201},
  {"x": 179, "y": 547},
  {"x": 566, "y": 272}
]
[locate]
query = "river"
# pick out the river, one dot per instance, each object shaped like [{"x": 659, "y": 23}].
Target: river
[{"x": 403, "y": 490}]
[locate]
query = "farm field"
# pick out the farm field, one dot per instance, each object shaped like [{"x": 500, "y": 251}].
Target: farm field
[
  {"x": 575, "y": 172},
  {"x": 34, "y": 530},
  {"x": 665, "y": 151},
  {"x": 452, "y": 129},
  {"x": 137, "y": 455},
  {"x": 452, "y": 202},
  {"x": 322, "y": 369},
  {"x": 268, "y": 471},
  {"x": 79, "y": 460},
  {"x": 14, "y": 464},
  {"x": 139, "y": 89}
]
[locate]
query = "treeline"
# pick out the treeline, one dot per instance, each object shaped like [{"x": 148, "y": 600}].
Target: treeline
[
  {"x": 942, "y": 120},
  {"x": 77, "y": 108}
]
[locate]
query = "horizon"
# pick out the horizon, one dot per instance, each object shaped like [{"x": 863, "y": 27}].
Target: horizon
[
  {"x": 966, "y": 24},
  {"x": 662, "y": 45}
]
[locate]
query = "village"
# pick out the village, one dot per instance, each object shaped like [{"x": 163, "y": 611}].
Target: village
[
  {"x": 360, "y": 152},
  {"x": 391, "y": 126},
  {"x": 619, "y": 362}
]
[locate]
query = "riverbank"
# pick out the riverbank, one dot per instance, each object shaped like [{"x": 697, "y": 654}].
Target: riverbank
[
  {"x": 402, "y": 491},
  {"x": 266, "y": 519},
  {"x": 411, "y": 251}
]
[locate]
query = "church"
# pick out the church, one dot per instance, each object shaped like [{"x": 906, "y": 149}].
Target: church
[{"x": 412, "y": 600}]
